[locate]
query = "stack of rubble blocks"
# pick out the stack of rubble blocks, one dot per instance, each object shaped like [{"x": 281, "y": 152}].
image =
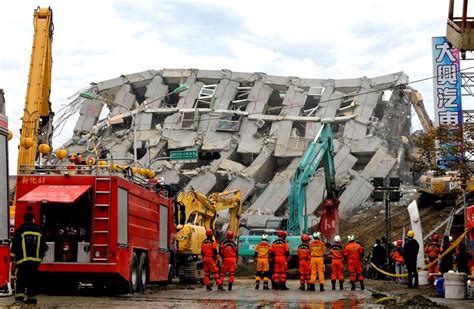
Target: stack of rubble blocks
[{"x": 261, "y": 125}]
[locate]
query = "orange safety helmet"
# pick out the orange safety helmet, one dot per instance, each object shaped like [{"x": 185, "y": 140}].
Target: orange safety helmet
[
  {"x": 435, "y": 237},
  {"x": 305, "y": 238},
  {"x": 230, "y": 235},
  {"x": 209, "y": 233},
  {"x": 281, "y": 234},
  {"x": 399, "y": 242}
]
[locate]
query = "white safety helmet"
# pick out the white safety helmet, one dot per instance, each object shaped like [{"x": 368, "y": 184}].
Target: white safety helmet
[
  {"x": 317, "y": 235},
  {"x": 264, "y": 236},
  {"x": 451, "y": 238},
  {"x": 337, "y": 238},
  {"x": 350, "y": 237}
]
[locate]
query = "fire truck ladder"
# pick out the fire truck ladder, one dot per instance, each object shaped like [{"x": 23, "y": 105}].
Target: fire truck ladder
[{"x": 101, "y": 220}]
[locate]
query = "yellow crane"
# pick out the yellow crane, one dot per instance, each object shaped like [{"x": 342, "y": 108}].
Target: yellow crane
[
  {"x": 37, "y": 118},
  {"x": 198, "y": 212},
  {"x": 37, "y": 121}
]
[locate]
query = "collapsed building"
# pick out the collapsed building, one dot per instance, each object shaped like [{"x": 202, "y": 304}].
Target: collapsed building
[{"x": 260, "y": 124}]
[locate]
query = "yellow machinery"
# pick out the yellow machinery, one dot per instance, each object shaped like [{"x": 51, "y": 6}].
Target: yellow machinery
[
  {"x": 416, "y": 99},
  {"x": 37, "y": 122},
  {"x": 197, "y": 213},
  {"x": 37, "y": 119},
  {"x": 434, "y": 190}
]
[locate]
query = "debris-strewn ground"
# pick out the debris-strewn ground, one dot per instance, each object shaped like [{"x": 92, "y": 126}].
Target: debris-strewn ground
[{"x": 396, "y": 295}]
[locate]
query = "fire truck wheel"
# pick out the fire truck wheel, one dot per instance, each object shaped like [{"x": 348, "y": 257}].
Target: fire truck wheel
[
  {"x": 134, "y": 274},
  {"x": 143, "y": 272}
]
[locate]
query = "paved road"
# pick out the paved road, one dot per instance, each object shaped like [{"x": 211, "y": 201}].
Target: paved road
[{"x": 243, "y": 296}]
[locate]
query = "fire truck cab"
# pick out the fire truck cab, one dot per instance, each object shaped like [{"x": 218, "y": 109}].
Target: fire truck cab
[{"x": 101, "y": 229}]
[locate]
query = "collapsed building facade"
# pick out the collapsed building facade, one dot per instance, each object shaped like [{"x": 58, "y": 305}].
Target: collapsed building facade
[{"x": 260, "y": 124}]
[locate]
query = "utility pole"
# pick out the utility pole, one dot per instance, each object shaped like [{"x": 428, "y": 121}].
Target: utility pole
[{"x": 384, "y": 193}]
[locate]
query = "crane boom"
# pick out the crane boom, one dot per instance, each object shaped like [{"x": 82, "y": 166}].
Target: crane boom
[
  {"x": 416, "y": 100},
  {"x": 37, "y": 117},
  {"x": 319, "y": 151}
]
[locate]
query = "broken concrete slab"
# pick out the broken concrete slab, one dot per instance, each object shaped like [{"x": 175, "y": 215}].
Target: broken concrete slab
[
  {"x": 204, "y": 182},
  {"x": 88, "y": 115},
  {"x": 124, "y": 101},
  {"x": 354, "y": 195},
  {"x": 276, "y": 194},
  {"x": 379, "y": 165},
  {"x": 292, "y": 105}
]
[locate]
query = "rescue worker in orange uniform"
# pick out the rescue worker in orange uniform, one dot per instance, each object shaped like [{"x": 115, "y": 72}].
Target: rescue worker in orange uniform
[
  {"x": 228, "y": 251},
  {"x": 304, "y": 259},
  {"x": 280, "y": 251},
  {"x": 337, "y": 258},
  {"x": 210, "y": 258},
  {"x": 262, "y": 255},
  {"x": 318, "y": 251},
  {"x": 353, "y": 253},
  {"x": 397, "y": 256},
  {"x": 432, "y": 250}
]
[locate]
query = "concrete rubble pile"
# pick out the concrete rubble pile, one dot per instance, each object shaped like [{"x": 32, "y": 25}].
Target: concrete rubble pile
[{"x": 260, "y": 124}]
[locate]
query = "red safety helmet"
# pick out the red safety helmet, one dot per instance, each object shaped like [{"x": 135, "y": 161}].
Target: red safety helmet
[
  {"x": 305, "y": 238},
  {"x": 209, "y": 233},
  {"x": 435, "y": 237},
  {"x": 399, "y": 242},
  {"x": 281, "y": 234},
  {"x": 230, "y": 235}
]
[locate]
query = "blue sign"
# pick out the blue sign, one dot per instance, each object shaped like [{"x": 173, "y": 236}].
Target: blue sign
[{"x": 446, "y": 86}]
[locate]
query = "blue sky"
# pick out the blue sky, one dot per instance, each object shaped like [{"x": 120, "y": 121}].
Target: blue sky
[{"x": 98, "y": 40}]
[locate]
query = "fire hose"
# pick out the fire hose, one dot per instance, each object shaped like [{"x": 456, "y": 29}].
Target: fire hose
[{"x": 453, "y": 245}]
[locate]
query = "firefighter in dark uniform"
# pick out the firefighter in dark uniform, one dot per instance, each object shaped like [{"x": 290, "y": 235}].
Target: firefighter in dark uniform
[{"x": 28, "y": 248}]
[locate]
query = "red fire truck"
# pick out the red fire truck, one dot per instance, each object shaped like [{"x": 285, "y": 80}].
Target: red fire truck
[
  {"x": 102, "y": 229},
  {"x": 4, "y": 195}
]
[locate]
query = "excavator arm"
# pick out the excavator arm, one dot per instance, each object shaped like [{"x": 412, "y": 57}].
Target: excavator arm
[
  {"x": 231, "y": 200},
  {"x": 416, "y": 100},
  {"x": 196, "y": 203},
  {"x": 320, "y": 150},
  {"x": 37, "y": 119}
]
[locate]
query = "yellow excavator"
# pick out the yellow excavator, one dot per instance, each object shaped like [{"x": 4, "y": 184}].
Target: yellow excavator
[
  {"x": 434, "y": 190},
  {"x": 198, "y": 212},
  {"x": 37, "y": 122}
]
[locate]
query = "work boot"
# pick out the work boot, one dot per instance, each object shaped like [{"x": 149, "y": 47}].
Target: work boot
[
  {"x": 362, "y": 287},
  {"x": 275, "y": 285},
  {"x": 283, "y": 286},
  {"x": 209, "y": 288},
  {"x": 341, "y": 285},
  {"x": 311, "y": 287},
  {"x": 321, "y": 287},
  {"x": 302, "y": 287},
  {"x": 220, "y": 288},
  {"x": 257, "y": 285},
  {"x": 265, "y": 286},
  {"x": 353, "y": 286},
  {"x": 230, "y": 286},
  {"x": 333, "y": 282}
]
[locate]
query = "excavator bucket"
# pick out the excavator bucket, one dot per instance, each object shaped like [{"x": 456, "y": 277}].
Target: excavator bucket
[{"x": 329, "y": 222}]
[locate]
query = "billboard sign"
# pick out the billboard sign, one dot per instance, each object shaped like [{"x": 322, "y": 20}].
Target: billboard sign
[{"x": 446, "y": 85}]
